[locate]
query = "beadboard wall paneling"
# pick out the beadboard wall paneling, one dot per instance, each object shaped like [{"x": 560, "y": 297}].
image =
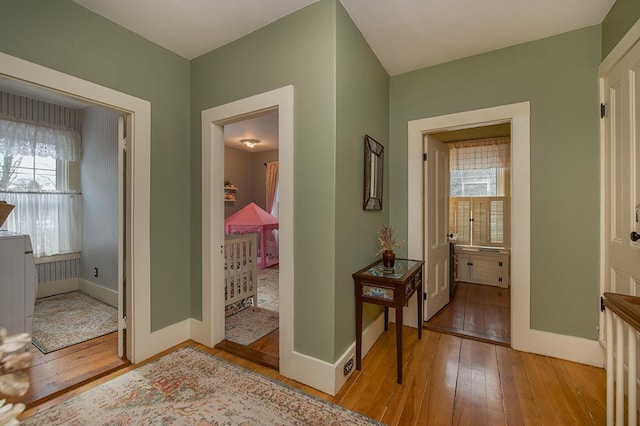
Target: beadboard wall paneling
[
  {"x": 21, "y": 108},
  {"x": 56, "y": 271},
  {"x": 99, "y": 181}
]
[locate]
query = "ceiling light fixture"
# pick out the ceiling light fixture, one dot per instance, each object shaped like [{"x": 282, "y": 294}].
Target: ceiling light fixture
[{"x": 250, "y": 142}]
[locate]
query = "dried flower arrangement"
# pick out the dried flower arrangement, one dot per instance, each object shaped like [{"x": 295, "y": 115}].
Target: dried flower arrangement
[
  {"x": 387, "y": 239},
  {"x": 13, "y": 380}
]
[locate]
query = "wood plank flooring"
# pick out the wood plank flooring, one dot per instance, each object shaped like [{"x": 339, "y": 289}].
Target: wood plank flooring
[
  {"x": 57, "y": 372},
  {"x": 264, "y": 351},
  {"x": 480, "y": 312},
  {"x": 452, "y": 380}
]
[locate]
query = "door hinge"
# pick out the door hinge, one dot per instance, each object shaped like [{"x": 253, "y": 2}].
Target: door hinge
[
  {"x": 602, "y": 307},
  {"x": 123, "y": 321},
  {"x": 424, "y": 296},
  {"x": 424, "y": 157},
  {"x": 603, "y": 110}
]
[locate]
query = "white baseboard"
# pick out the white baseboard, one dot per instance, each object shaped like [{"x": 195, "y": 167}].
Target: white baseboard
[
  {"x": 324, "y": 376},
  {"x": 570, "y": 348},
  {"x": 51, "y": 288},
  {"x": 103, "y": 294},
  {"x": 161, "y": 340}
]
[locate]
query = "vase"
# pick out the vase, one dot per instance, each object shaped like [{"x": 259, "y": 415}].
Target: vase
[{"x": 388, "y": 258}]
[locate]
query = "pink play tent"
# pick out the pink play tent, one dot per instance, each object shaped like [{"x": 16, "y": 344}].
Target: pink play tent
[{"x": 251, "y": 218}]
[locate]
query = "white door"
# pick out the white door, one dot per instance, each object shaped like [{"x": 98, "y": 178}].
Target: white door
[
  {"x": 622, "y": 179},
  {"x": 436, "y": 241}
]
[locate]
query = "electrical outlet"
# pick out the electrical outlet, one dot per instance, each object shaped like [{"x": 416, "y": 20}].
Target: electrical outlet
[
  {"x": 95, "y": 272},
  {"x": 348, "y": 366}
]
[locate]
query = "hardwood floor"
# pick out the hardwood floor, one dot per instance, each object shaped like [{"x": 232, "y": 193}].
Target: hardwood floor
[
  {"x": 56, "y": 372},
  {"x": 264, "y": 351},
  {"x": 480, "y": 312},
  {"x": 452, "y": 380}
]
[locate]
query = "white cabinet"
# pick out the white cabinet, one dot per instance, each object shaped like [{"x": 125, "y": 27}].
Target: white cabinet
[
  {"x": 483, "y": 266},
  {"x": 17, "y": 283}
]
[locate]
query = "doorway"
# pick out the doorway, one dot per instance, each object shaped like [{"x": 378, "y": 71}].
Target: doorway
[
  {"x": 522, "y": 336},
  {"x": 251, "y": 224},
  {"x": 135, "y": 240},
  {"x": 469, "y": 296},
  {"x": 211, "y": 330}
]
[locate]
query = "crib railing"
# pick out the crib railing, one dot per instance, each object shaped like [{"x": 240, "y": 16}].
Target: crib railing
[
  {"x": 240, "y": 268},
  {"x": 623, "y": 312}
]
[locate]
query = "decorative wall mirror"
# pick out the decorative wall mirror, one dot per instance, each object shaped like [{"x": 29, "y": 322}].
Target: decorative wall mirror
[{"x": 373, "y": 159}]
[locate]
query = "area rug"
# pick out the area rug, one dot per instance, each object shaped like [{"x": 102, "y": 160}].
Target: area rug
[
  {"x": 248, "y": 325},
  {"x": 268, "y": 289},
  {"x": 190, "y": 387},
  {"x": 70, "y": 318}
]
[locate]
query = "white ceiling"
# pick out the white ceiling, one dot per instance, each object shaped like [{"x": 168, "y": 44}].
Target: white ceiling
[{"x": 404, "y": 34}]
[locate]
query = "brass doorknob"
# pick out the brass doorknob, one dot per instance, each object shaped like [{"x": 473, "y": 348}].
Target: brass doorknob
[{"x": 635, "y": 236}]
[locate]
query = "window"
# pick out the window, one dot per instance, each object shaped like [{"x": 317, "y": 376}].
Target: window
[
  {"x": 38, "y": 174},
  {"x": 479, "y": 189},
  {"x": 28, "y": 173}
]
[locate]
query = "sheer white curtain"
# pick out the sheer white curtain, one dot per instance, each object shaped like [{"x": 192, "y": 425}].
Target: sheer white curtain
[
  {"x": 273, "y": 188},
  {"x": 51, "y": 219},
  {"x": 18, "y": 138}
]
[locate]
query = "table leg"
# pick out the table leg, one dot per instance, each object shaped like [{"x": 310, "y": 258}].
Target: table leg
[
  {"x": 399, "y": 342},
  {"x": 419, "y": 293},
  {"x": 386, "y": 318},
  {"x": 358, "y": 328}
]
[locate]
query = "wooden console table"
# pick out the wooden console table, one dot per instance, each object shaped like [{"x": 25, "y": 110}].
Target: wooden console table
[{"x": 392, "y": 289}]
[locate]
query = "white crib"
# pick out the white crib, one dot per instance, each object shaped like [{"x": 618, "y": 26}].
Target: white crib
[{"x": 240, "y": 269}]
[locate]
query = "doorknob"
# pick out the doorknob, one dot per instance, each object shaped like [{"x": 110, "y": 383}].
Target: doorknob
[{"x": 635, "y": 236}]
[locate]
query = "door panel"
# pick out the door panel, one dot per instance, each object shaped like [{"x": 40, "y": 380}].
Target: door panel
[
  {"x": 622, "y": 183},
  {"x": 436, "y": 174}
]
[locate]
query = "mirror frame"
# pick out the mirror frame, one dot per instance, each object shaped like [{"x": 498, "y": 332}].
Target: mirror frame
[{"x": 373, "y": 164}]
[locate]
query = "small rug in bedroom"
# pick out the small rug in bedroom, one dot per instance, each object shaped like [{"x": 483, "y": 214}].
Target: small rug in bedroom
[
  {"x": 70, "y": 318},
  {"x": 190, "y": 387},
  {"x": 250, "y": 324},
  {"x": 268, "y": 289}
]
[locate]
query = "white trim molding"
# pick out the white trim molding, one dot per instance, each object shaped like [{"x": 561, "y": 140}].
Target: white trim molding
[
  {"x": 210, "y": 330},
  {"x": 141, "y": 342},
  {"x": 523, "y": 337}
]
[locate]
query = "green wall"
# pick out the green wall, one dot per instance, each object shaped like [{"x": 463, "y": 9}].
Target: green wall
[
  {"x": 558, "y": 75},
  {"x": 340, "y": 93},
  {"x": 362, "y": 88},
  {"x": 63, "y": 36},
  {"x": 618, "y": 21},
  {"x": 298, "y": 50}
]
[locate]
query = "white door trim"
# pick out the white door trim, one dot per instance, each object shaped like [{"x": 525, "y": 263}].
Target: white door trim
[
  {"x": 141, "y": 343},
  {"x": 523, "y": 337},
  {"x": 211, "y": 329}
]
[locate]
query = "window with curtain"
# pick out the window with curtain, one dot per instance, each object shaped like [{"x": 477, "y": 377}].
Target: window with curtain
[
  {"x": 36, "y": 162},
  {"x": 479, "y": 210}
]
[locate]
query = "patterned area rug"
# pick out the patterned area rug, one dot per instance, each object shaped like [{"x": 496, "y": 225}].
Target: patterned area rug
[
  {"x": 248, "y": 325},
  {"x": 268, "y": 296},
  {"x": 70, "y": 318},
  {"x": 190, "y": 387}
]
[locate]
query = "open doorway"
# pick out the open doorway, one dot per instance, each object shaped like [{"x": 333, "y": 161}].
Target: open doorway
[
  {"x": 137, "y": 343},
  {"x": 523, "y": 337},
  {"x": 62, "y": 167},
  {"x": 251, "y": 228},
  {"x": 476, "y": 255},
  {"x": 211, "y": 330}
]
